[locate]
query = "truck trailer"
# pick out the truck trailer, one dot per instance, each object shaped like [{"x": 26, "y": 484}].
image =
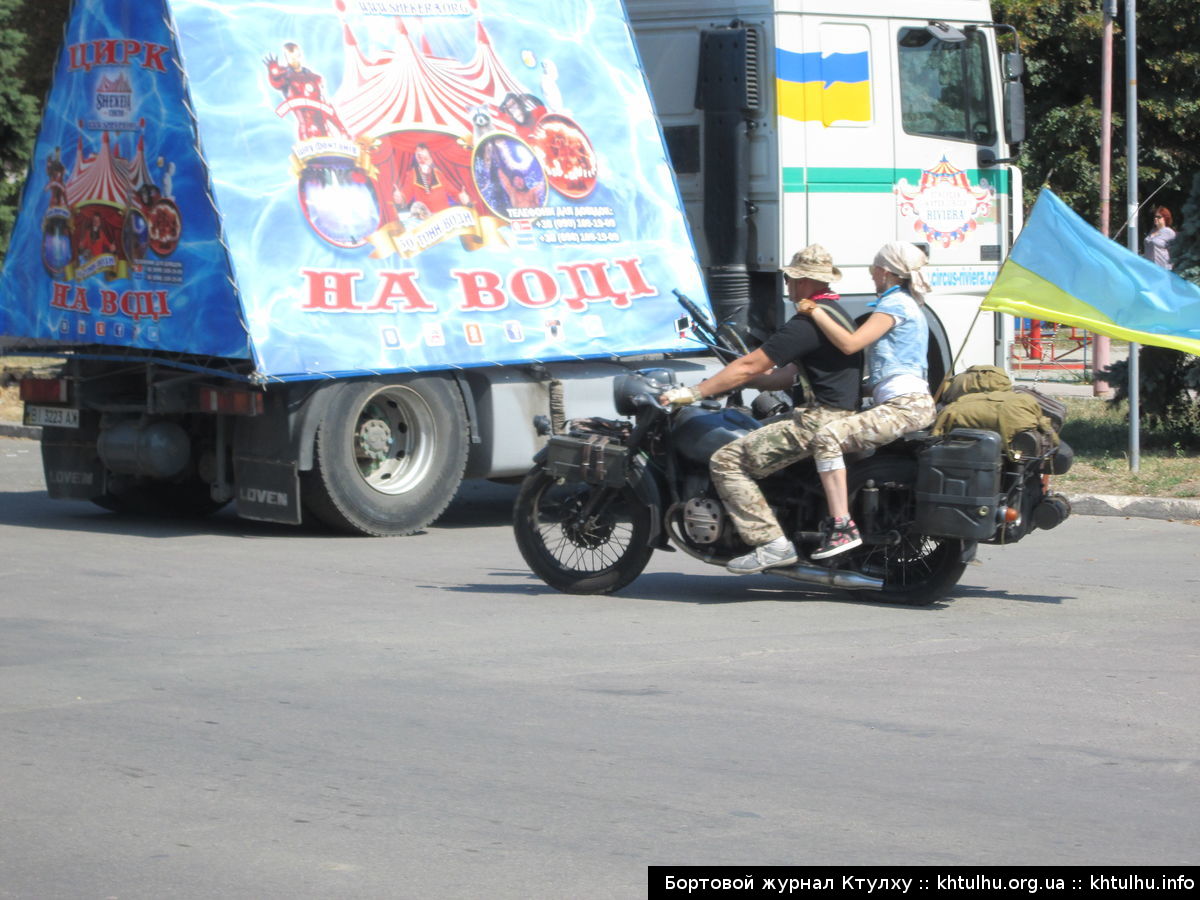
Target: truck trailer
[{"x": 330, "y": 257}]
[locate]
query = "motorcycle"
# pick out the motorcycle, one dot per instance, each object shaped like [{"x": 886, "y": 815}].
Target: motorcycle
[{"x": 603, "y": 495}]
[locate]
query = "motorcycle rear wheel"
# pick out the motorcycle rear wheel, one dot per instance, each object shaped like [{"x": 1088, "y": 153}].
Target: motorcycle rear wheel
[
  {"x": 917, "y": 570},
  {"x": 595, "y": 556}
]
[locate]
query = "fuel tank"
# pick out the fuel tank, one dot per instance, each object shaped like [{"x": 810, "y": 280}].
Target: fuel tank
[{"x": 700, "y": 432}]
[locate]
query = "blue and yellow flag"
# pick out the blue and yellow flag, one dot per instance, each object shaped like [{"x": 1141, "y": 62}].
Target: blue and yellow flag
[
  {"x": 816, "y": 88},
  {"x": 1061, "y": 269}
]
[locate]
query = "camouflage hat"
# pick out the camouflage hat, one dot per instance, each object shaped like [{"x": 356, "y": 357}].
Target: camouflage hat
[{"x": 813, "y": 262}]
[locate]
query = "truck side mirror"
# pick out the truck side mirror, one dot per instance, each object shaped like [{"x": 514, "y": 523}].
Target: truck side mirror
[
  {"x": 1014, "y": 98},
  {"x": 1014, "y": 113},
  {"x": 1014, "y": 65}
]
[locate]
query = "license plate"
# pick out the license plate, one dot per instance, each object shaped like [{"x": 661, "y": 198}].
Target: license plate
[{"x": 52, "y": 416}]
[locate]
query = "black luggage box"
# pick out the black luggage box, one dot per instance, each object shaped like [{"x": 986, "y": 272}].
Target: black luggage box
[
  {"x": 594, "y": 459},
  {"x": 958, "y": 485}
]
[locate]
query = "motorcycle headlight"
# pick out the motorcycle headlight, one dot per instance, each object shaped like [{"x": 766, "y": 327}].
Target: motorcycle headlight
[{"x": 640, "y": 388}]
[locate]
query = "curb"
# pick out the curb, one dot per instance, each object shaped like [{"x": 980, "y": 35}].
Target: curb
[
  {"x": 1169, "y": 508},
  {"x": 17, "y": 430}
]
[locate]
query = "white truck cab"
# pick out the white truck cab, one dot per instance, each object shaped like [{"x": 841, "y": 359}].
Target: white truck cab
[{"x": 847, "y": 123}]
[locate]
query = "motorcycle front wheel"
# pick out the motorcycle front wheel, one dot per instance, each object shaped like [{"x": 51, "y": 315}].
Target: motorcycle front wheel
[
  {"x": 576, "y": 546},
  {"x": 916, "y": 569}
]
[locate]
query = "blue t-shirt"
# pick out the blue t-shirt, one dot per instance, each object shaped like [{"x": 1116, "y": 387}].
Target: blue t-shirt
[{"x": 904, "y": 350}]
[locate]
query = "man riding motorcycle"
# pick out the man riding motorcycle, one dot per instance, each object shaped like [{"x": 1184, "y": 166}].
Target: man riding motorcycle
[{"x": 833, "y": 379}]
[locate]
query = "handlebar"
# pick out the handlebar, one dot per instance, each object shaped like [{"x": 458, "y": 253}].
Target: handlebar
[{"x": 721, "y": 339}]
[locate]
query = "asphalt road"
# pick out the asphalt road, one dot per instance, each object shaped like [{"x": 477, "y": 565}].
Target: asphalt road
[{"x": 227, "y": 708}]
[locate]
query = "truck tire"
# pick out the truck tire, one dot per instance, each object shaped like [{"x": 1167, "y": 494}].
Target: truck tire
[{"x": 388, "y": 457}]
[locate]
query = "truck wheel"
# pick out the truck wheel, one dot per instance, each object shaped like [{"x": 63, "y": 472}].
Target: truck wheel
[{"x": 389, "y": 456}]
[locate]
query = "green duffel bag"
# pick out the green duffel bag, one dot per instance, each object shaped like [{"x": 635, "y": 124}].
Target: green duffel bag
[
  {"x": 976, "y": 380},
  {"x": 1006, "y": 412}
]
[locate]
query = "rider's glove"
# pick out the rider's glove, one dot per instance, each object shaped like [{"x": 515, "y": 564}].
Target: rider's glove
[{"x": 681, "y": 396}]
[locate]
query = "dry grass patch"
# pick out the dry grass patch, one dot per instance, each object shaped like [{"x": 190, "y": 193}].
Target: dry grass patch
[
  {"x": 1098, "y": 431},
  {"x": 11, "y": 369}
]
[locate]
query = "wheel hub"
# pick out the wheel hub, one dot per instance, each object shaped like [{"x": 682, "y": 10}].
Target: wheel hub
[
  {"x": 588, "y": 533},
  {"x": 375, "y": 439}
]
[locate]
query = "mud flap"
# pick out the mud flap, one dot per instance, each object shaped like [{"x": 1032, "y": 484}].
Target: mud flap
[
  {"x": 267, "y": 491},
  {"x": 70, "y": 462}
]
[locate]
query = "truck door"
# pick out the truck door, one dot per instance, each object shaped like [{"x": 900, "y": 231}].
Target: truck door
[
  {"x": 945, "y": 99},
  {"x": 947, "y": 199},
  {"x": 835, "y": 123}
]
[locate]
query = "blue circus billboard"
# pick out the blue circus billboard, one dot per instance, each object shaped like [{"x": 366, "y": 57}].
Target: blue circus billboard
[
  {"x": 116, "y": 240},
  {"x": 340, "y": 186}
]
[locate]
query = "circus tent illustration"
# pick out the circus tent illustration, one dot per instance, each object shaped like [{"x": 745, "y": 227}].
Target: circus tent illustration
[
  {"x": 112, "y": 213},
  {"x": 98, "y": 194},
  {"x": 944, "y": 174},
  {"x": 944, "y": 205},
  {"x": 138, "y": 172},
  {"x": 439, "y": 146}
]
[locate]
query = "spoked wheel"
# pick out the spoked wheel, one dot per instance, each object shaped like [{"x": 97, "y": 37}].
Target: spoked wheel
[
  {"x": 579, "y": 542},
  {"x": 916, "y": 569}
]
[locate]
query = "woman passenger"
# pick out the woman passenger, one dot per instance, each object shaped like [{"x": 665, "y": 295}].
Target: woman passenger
[{"x": 896, "y": 340}]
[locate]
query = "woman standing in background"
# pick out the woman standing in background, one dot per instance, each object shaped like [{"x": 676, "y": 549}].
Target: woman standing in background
[{"x": 1156, "y": 246}]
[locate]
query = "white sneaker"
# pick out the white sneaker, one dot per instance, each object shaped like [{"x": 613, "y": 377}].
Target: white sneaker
[{"x": 778, "y": 552}]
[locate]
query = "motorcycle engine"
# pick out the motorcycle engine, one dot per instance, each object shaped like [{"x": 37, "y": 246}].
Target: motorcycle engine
[{"x": 703, "y": 520}]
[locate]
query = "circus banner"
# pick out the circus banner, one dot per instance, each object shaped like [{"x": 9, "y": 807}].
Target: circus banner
[
  {"x": 117, "y": 241},
  {"x": 410, "y": 184},
  {"x": 333, "y": 187}
]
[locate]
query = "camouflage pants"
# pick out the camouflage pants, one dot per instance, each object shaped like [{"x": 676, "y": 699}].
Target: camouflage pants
[
  {"x": 738, "y": 465},
  {"x": 874, "y": 427}
]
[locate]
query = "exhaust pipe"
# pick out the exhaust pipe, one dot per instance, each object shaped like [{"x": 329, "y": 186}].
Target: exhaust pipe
[
  {"x": 829, "y": 577},
  {"x": 807, "y": 574}
]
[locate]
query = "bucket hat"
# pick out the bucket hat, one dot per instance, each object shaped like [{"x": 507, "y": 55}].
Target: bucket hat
[{"x": 813, "y": 262}]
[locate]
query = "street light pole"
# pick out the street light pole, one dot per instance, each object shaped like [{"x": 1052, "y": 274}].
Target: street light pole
[
  {"x": 1131, "y": 129},
  {"x": 1101, "y": 356}
]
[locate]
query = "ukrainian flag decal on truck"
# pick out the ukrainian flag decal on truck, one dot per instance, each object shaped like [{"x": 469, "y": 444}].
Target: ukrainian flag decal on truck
[{"x": 823, "y": 88}]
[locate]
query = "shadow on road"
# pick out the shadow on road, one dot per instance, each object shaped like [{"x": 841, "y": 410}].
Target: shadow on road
[
  {"x": 670, "y": 587},
  {"x": 33, "y": 509},
  {"x": 982, "y": 593},
  {"x": 480, "y": 503},
  {"x": 477, "y": 504}
]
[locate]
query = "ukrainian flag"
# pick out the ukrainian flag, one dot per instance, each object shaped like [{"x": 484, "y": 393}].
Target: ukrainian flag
[
  {"x": 826, "y": 89},
  {"x": 1061, "y": 269}
]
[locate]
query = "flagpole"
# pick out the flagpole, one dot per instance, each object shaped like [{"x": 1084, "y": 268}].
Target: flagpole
[
  {"x": 1101, "y": 344},
  {"x": 1135, "y": 459}
]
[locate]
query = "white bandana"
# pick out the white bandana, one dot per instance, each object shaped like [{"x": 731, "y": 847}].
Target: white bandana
[{"x": 906, "y": 261}]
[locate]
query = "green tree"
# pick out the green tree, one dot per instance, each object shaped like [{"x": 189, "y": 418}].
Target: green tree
[
  {"x": 1185, "y": 251},
  {"x": 18, "y": 115},
  {"x": 1061, "y": 40}
]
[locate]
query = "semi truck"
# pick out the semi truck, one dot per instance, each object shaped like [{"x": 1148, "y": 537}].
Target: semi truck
[{"x": 331, "y": 257}]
